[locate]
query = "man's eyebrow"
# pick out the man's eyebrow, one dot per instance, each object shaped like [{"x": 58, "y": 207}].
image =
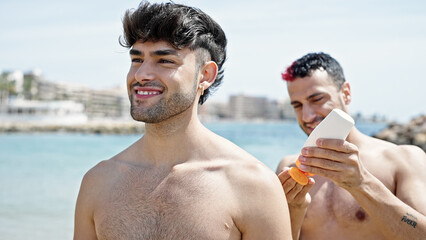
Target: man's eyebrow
[
  {"x": 314, "y": 95},
  {"x": 135, "y": 52},
  {"x": 165, "y": 52},
  {"x": 309, "y": 97},
  {"x": 161, "y": 52}
]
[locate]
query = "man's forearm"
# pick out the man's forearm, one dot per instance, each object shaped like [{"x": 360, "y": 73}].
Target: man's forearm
[
  {"x": 394, "y": 218},
  {"x": 297, "y": 215}
]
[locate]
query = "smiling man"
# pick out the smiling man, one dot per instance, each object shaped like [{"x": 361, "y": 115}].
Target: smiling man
[
  {"x": 363, "y": 188},
  {"x": 180, "y": 180}
]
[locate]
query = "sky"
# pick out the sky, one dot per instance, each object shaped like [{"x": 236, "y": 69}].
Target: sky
[{"x": 381, "y": 45}]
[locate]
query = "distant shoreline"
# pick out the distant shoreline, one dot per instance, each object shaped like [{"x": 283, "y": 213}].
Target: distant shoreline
[
  {"x": 91, "y": 127},
  {"x": 106, "y": 126}
]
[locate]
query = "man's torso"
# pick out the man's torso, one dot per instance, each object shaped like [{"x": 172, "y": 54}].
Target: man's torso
[
  {"x": 190, "y": 201},
  {"x": 335, "y": 214}
]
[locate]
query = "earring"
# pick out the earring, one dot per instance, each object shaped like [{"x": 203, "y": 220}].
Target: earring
[{"x": 202, "y": 90}]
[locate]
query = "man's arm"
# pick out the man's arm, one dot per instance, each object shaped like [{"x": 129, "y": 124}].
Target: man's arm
[
  {"x": 297, "y": 195},
  {"x": 262, "y": 206},
  {"x": 84, "y": 227},
  {"x": 397, "y": 217},
  {"x": 401, "y": 216}
]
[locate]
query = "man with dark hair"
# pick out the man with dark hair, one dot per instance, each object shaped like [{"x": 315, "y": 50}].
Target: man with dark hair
[
  {"x": 180, "y": 180},
  {"x": 363, "y": 188}
]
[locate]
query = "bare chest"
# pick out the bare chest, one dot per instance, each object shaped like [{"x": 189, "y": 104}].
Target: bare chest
[
  {"x": 331, "y": 203},
  {"x": 173, "y": 207},
  {"x": 334, "y": 214}
]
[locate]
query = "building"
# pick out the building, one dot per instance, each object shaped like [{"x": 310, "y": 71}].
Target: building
[
  {"x": 105, "y": 103},
  {"x": 31, "y": 86},
  {"x": 242, "y": 107},
  {"x": 44, "y": 112}
]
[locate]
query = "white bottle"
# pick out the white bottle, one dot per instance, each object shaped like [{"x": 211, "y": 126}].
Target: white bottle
[{"x": 336, "y": 125}]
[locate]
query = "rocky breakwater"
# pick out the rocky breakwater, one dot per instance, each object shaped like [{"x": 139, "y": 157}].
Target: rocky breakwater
[
  {"x": 91, "y": 127},
  {"x": 414, "y": 132}
]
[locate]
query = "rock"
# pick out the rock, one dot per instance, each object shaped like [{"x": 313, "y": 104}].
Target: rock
[{"x": 413, "y": 133}]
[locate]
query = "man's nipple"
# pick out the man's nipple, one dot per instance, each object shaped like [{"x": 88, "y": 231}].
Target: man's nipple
[{"x": 360, "y": 215}]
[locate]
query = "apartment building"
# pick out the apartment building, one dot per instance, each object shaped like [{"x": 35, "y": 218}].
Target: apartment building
[
  {"x": 98, "y": 103},
  {"x": 249, "y": 107}
]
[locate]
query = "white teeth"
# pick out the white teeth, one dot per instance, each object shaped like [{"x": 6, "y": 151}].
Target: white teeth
[{"x": 147, "y": 93}]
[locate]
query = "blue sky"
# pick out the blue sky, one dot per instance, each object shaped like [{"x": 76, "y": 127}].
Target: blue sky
[{"x": 380, "y": 44}]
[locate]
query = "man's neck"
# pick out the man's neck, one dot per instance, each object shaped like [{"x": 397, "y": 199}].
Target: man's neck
[
  {"x": 356, "y": 137},
  {"x": 173, "y": 141}
]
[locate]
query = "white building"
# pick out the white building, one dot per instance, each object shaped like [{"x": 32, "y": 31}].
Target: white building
[{"x": 44, "y": 112}]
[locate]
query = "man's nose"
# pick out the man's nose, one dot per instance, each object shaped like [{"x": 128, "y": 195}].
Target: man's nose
[
  {"x": 308, "y": 114},
  {"x": 145, "y": 73}
]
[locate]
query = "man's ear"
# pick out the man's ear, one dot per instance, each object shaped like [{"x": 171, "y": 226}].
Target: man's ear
[
  {"x": 208, "y": 73},
  {"x": 346, "y": 91}
]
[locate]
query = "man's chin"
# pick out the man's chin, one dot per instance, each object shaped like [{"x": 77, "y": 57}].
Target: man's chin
[{"x": 308, "y": 131}]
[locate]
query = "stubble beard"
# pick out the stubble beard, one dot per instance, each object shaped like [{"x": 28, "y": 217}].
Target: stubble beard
[{"x": 164, "y": 109}]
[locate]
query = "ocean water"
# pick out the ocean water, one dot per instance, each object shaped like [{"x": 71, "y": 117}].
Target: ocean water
[{"x": 40, "y": 174}]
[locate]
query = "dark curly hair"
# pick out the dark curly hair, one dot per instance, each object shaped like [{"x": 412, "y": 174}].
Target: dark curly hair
[
  {"x": 304, "y": 66},
  {"x": 181, "y": 26}
]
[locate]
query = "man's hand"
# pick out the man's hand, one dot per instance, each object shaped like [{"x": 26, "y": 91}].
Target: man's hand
[
  {"x": 335, "y": 159},
  {"x": 297, "y": 195}
]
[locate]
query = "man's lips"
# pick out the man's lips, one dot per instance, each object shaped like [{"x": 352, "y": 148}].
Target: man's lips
[
  {"x": 144, "y": 92},
  {"x": 311, "y": 126}
]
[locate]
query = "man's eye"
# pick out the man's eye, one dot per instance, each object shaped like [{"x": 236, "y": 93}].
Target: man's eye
[
  {"x": 165, "y": 61},
  {"x": 317, "y": 99},
  {"x": 136, "y": 60},
  {"x": 296, "y": 106}
]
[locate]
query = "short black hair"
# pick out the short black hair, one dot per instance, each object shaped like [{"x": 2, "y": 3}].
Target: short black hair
[{"x": 304, "y": 66}]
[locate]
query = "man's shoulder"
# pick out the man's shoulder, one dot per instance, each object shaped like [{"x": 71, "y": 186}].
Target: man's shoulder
[
  {"x": 235, "y": 160},
  {"x": 405, "y": 159},
  {"x": 93, "y": 184},
  {"x": 392, "y": 151},
  {"x": 252, "y": 179},
  {"x": 258, "y": 198},
  {"x": 101, "y": 167},
  {"x": 406, "y": 155},
  {"x": 287, "y": 161},
  {"x": 250, "y": 171},
  {"x": 407, "y": 150},
  {"x": 227, "y": 149},
  {"x": 99, "y": 173}
]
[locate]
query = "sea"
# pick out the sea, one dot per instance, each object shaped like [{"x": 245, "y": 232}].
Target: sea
[{"x": 40, "y": 173}]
